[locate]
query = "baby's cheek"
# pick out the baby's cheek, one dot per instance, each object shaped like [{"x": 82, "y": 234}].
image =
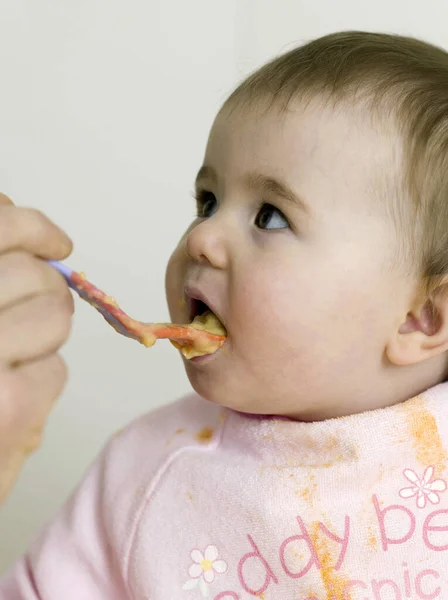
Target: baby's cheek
[{"x": 257, "y": 313}]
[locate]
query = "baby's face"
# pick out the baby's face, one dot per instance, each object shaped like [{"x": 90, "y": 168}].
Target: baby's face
[{"x": 302, "y": 285}]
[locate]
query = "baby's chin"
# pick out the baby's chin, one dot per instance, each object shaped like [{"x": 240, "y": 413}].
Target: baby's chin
[
  {"x": 222, "y": 395},
  {"x": 252, "y": 401}
]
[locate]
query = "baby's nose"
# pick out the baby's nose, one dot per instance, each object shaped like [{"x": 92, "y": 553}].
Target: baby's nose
[{"x": 206, "y": 243}]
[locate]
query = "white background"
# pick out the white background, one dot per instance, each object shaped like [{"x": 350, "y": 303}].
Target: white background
[{"x": 105, "y": 108}]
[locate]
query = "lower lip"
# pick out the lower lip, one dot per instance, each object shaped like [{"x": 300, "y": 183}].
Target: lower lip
[{"x": 206, "y": 357}]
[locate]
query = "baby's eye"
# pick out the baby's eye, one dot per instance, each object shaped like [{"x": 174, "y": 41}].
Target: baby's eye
[
  {"x": 269, "y": 217},
  {"x": 206, "y": 204}
]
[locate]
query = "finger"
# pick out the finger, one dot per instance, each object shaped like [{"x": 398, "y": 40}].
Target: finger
[
  {"x": 45, "y": 377},
  {"x": 26, "y": 397},
  {"x": 5, "y": 200},
  {"x": 30, "y": 230},
  {"x": 41, "y": 383},
  {"x": 34, "y": 328},
  {"x": 23, "y": 275},
  {"x": 10, "y": 469}
]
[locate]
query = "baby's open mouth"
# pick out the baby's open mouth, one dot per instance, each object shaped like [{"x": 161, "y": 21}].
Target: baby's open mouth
[
  {"x": 197, "y": 308},
  {"x": 202, "y": 318},
  {"x": 209, "y": 322}
]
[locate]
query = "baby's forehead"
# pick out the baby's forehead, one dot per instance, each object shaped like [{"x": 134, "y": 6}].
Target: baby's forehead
[
  {"x": 342, "y": 141},
  {"x": 318, "y": 119}
]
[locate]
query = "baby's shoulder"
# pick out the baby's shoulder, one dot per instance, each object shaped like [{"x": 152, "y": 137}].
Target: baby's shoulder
[{"x": 148, "y": 441}]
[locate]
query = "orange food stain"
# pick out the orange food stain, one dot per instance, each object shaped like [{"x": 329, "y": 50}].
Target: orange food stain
[
  {"x": 177, "y": 432},
  {"x": 111, "y": 301},
  {"x": 189, "y": 496},
  {"x": 334, "y": 583},
  {"x": 139, "y": 492},
  {"x": 204, "y": 435},
  {"x": 332, "y": 462},
  {"x": 293, "y": 464},
  {"x": 423, "y": 429},
  {"x": 307, "y": 493},
  {"x": 332, "y": 442},
  {"x": 372, "y": 542}
]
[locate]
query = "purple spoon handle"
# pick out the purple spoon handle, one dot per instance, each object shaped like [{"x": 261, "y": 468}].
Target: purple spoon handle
[
  {"x": 63, "y": 269},
  {"x": 101, "y": 308}
]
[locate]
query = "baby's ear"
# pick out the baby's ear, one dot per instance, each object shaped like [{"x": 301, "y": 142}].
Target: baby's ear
[{"x": 424, "y": 332}]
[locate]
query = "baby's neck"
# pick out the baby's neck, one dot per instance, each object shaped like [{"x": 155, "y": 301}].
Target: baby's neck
[{"x": 397, "y": 386}]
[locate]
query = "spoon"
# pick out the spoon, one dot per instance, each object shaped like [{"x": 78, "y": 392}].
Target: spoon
[{"x": 192, "y": 340}]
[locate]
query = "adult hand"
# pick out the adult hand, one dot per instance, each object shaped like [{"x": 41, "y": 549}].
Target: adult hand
[{"x": 36, "y": 309}]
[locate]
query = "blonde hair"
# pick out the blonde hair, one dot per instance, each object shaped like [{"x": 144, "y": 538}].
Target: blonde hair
[{"x": 399, "y": 76}]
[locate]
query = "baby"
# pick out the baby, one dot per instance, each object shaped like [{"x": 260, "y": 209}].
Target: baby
[{"x": 311, "y": 461}]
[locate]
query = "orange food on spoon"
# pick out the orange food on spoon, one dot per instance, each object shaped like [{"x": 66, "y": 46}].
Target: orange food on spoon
[{"x": 205, "y": 335}]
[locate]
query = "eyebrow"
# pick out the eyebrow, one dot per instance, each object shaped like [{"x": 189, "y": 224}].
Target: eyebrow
[{"x": 266, "y": 183}]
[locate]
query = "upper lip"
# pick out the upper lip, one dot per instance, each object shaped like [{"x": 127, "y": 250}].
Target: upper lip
[{"x": 192, "y": 293}]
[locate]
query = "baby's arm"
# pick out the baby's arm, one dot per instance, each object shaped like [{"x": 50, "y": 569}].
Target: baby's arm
[
  {"x": 85, "y": 552},
  {"x": 77, "y": 556}
]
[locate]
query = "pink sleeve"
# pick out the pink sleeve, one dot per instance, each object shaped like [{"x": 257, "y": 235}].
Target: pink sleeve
[
  {"x": 76, "y": 555},
  {"x": 85, "y": 551}
]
